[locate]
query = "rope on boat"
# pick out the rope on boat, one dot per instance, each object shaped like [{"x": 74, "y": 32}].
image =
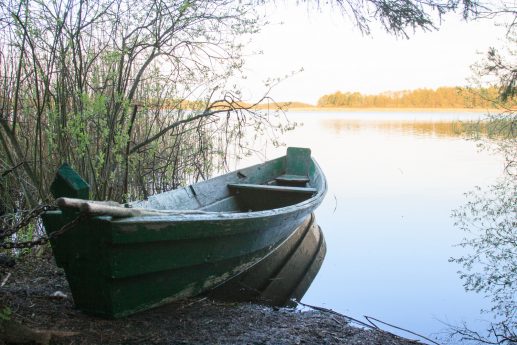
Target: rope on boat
[{"x": 45, "y": 239}]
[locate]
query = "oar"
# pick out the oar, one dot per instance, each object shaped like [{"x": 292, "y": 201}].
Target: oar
[{"x": 114, "y": 209}]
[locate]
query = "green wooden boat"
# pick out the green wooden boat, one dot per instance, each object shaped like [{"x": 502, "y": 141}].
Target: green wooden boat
[
  {"x": 283, "y": 276},
  {"x": 178, "y": 244}
]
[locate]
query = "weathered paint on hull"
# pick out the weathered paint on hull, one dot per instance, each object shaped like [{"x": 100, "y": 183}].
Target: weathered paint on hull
[
  {"x": 119, "y": 266},
  {"x": 115, "y": 280},
  {"x": 285, "y": 274}
]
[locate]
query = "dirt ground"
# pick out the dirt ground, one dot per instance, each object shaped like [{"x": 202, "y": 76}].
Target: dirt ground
[{"x": 41, "y": 311}]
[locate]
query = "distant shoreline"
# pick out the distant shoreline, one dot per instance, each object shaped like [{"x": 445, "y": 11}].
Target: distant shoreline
[{"x": 407, "y": 110}]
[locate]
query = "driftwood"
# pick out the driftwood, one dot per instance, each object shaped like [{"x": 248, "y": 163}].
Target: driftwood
[
  {"x": 114, "y": 209},
  {"x": 13, "y": 332}
]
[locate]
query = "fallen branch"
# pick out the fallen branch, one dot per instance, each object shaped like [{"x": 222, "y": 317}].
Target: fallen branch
[
  {"x": 8, "y": 171},
  {"x": 16, "y": 333},
  {"x": 4, "y": 281},
  {"x": 371, "y": 326},
  {"x": 369, "y": 318}
]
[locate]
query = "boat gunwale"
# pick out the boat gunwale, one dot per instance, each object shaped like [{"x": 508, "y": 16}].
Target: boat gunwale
[{"x": 313, "y": 201}]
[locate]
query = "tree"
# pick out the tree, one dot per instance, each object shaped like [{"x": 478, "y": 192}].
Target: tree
[
  {"x": 490, "y": 267},
  {"x": 400, "y": 17},
  {"x": 90, "y": 82},
  {"x": 104, "y": 85},
  {"x": 489, "y": 218},
  {"x": 138, "y": 96}
]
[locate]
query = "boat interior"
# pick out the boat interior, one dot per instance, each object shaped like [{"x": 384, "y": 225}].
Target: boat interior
[
  {"x": 292, "y": 187},
  {"x": 281, "y": 182}
]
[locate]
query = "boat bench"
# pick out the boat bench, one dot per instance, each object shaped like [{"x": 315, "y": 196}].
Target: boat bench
[
  {"x": 297, "y": 166},
  {"x": 272, "y": 188}
]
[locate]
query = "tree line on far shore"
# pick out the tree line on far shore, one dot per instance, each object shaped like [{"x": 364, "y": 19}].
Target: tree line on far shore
[{"x": 442, "y": 97}]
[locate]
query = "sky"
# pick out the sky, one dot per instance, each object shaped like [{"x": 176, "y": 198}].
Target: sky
[{"x": 335, "y": 56}]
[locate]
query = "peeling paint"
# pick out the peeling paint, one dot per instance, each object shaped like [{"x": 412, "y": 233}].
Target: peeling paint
[{"x": 137, "y": 251}]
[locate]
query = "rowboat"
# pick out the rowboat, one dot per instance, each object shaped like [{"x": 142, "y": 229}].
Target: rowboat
[
  {"x": 123, "y": 259},
  {"x": 284, "y": 276}
]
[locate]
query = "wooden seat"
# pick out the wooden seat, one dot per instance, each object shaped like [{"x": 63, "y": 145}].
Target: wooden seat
[
  {"x": 272, "y": 188},
  {"x": 298, "y": 162}
]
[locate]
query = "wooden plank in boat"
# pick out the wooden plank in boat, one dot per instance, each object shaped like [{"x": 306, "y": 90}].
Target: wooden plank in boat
[
  {"x": 272, "y": 188},
  {"x": 292, "y": 179}
]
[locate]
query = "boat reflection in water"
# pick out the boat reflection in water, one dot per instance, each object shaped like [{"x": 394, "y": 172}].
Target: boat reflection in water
[{"x": 283, "y": 276}]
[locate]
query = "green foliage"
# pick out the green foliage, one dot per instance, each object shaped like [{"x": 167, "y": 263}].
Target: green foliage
[
  {"x": 108, "y": 89},
  {"x": 489, "y": 217},
  {"x": 403, "y": 17},
  {"x": 490, "y": 266},
  {"x": 5, "y": 314},
  {"x": 494, "y": 211}
]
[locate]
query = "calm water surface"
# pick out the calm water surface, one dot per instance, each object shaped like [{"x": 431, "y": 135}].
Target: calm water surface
[{"x": 393, "y": 180}]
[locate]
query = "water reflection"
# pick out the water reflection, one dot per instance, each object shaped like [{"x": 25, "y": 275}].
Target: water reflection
[
  {"x": 284, "y": 275},
  {"x": 432, "y": 128},
  {"x": 392, "y": 186},
  {"x": 488, "y": 221}
]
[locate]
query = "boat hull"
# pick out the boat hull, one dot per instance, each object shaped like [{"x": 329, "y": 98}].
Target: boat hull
[
  {"x": 115, "y": 279},
  {"x": 284, "y": 275},
  {"x": 119, "y": 266}
]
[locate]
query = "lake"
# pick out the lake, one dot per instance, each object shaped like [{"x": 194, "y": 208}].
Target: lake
[{"x": 394, "y": 179}]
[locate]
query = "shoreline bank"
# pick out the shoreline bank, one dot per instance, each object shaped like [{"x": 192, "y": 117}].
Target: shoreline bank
[
  {"x": 388, "y": 110},
  {"x": 42, "y": 312}
]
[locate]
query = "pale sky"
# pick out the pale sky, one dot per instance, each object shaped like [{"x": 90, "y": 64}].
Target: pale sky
[{"x": 335, "y": 56}]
